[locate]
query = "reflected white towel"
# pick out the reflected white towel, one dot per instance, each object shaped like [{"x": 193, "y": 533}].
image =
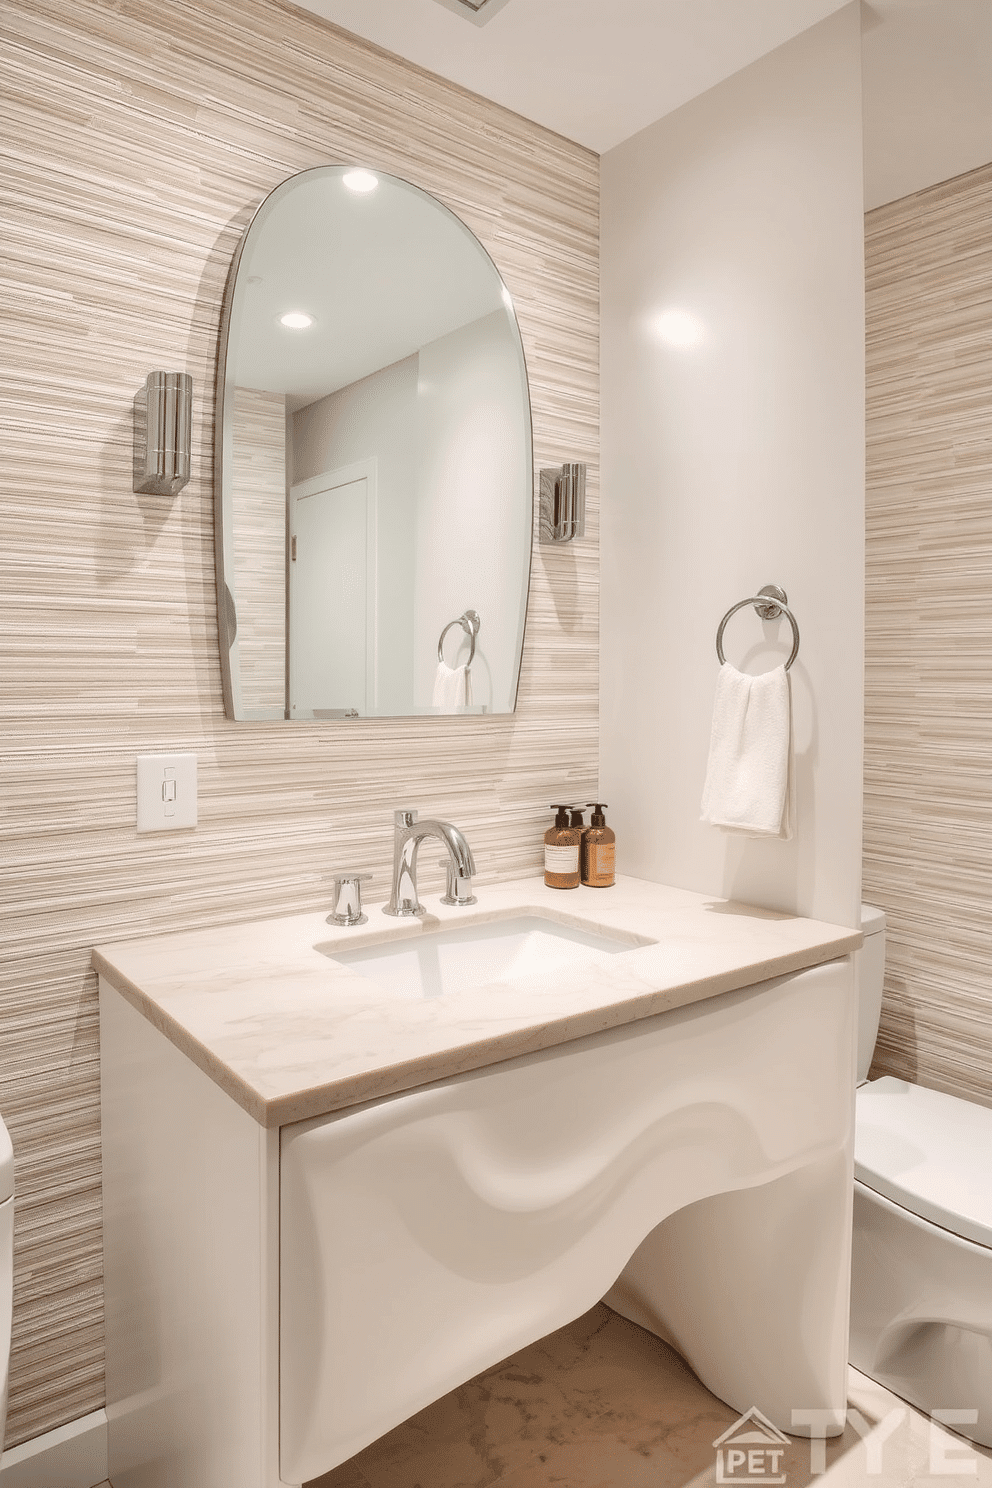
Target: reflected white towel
[
  {"x": 452, "y": 688},
  {"x": 749, "y": 778}
]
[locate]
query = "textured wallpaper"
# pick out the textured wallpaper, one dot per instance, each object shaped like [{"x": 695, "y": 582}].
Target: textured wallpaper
[
  {"x": 138, "y": 139},
  {"x": 928, "y": 706}
]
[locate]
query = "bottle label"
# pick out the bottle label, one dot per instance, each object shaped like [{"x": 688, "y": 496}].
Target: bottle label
[
  {"x": 602, "y": 859},
  {"x": 561, "y": 859}
]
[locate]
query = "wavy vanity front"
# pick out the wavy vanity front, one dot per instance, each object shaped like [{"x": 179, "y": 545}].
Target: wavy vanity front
[{"x": 345, "y": 1170}]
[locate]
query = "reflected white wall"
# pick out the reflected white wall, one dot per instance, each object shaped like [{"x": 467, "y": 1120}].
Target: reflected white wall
[
  {"x": 733, "y": 456},
  {"x": 376, "y": 417},
  {"x": 470, "y": 501}
]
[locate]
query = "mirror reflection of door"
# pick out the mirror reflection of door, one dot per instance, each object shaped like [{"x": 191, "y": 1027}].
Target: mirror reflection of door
[{"x": 332, "y": 594}]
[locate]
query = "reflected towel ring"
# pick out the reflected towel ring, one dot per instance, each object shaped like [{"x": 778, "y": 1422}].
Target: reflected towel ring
[
  {"x": 470, "y": 624},
  {"x": 769, "y": 603}
]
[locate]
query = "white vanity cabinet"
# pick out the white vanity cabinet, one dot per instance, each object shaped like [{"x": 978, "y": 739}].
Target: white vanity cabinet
[{"x": 278, "y": 1297}]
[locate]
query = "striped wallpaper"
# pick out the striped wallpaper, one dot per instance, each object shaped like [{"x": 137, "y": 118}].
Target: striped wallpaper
[
  {"x": 138, "y": 138},
  {"x": 258, "y": 527},
  {"x": 928, "y": 706}
]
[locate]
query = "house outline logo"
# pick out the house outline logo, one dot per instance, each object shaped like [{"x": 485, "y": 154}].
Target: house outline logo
[{"x": 749, "y": 1451}]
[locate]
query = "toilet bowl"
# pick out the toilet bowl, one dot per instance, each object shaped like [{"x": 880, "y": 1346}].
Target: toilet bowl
[
  {"x": 6, "y": 1265},
  {"x": 921, "y": 1285}
]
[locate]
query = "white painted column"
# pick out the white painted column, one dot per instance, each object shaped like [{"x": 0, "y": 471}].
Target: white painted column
[{"x": 733, "y": 456}]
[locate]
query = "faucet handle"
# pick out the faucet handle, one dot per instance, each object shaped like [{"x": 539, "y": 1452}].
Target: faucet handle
[
  {"x": 458, "y": 890},
  {"x": 404, "y": 818},
  {"x": 347, "y": 906}
]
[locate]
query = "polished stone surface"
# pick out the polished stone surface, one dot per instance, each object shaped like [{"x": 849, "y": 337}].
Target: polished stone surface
[
  {"x": 603, "y": 1404},
  {"x": 290, "y": 1034}
]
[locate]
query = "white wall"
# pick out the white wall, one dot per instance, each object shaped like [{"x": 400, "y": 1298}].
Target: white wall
[
  {"x": 376, "y": 417},
  {"x": 474, "y": 477},
  {"x": 737, "y": 461}
]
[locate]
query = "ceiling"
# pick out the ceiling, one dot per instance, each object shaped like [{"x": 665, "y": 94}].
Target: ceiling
[
  {"x": 381, "y": 274},
  {"x": 597, "y": 71},
  {"x": 928, "y": 93}
]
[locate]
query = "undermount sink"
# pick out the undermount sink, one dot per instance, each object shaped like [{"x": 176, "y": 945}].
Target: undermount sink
[{"x": 438, "y": 963}]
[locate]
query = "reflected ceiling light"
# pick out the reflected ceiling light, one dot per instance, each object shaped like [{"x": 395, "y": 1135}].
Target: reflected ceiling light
[
  {"x": 296, "y": 320},
  {"x": 360, "y": 180},
  {"x": 678, "y": 328}
]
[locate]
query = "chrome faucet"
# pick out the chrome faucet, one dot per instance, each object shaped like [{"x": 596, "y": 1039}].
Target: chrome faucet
[{"x": 409, "y": 833}]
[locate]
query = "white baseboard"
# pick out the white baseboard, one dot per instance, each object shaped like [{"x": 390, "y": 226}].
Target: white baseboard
[{"x": 72, "y": 1456}]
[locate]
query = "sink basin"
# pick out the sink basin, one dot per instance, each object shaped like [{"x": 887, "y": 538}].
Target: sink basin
[{"x": 437, "y": 963}]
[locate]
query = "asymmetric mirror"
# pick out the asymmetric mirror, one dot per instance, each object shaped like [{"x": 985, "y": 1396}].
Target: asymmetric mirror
[{"x": 374, "y": 472}]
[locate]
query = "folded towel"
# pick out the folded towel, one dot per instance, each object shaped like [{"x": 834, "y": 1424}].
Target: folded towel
[
  {"x": 452, "y": 688},
  {"x": 749, "y": 778}
]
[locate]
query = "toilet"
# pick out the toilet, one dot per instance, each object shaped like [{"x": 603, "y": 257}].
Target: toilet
[
  {"x": 6, "y": 1265},
  {"x": 921, "y": 1285}
]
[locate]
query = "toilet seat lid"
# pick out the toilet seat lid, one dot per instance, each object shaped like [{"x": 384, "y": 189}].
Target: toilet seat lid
[
  {"x": 6, "y": 1165},
  {"x": 927, "y": 1152}
]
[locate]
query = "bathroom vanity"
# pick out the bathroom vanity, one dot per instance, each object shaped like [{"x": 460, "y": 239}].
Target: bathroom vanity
[{"x": 334, "y": 1190}]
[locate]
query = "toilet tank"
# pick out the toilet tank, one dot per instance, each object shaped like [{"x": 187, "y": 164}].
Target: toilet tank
[{"x": 869, "y": 973}]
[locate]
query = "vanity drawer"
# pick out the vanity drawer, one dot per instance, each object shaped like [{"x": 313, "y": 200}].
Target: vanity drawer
[{"x": 428, "y": 1235}]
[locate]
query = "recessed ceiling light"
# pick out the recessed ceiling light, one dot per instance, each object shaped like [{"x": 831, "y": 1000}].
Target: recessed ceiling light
[
  {"x": 360, "y": 180},
  {"x": 476, "y": 11},
  {"x": 296, "y": 320}
]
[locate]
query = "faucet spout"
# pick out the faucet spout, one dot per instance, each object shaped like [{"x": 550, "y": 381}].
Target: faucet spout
[
  {"x": 409, "y": 833},
  {"x": 458, "y": 849}
]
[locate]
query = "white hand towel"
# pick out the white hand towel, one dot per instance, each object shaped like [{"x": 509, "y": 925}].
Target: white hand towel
[
  {"x": 452, "y": 688},
  {"x": 749, "y": 778}
]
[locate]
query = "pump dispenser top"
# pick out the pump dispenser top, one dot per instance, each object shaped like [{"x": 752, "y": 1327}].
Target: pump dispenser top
[{"x": 598, "y": 850}]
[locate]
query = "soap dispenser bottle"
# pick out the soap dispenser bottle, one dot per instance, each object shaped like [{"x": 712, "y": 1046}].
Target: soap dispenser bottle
[
  {"x": 599, "y": 851},
  {"x": 561, "y": 852}
]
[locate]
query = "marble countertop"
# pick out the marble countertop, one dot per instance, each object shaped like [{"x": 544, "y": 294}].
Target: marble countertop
[{"x": 290, "y": 1034}]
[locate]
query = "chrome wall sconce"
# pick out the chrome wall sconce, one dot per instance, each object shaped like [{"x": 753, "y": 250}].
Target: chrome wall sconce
[
  {"x": 563, "y": 503},
  {"x": 163, "y": 419}
]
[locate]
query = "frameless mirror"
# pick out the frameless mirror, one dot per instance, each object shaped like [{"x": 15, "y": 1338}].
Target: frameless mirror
[{"x": 374, "y": 468}]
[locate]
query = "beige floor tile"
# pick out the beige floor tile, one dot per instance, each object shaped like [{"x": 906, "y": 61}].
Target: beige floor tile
[
  {"x": 604, "y": 1404},
  {"x": 599, "y": 1386},
  {"x": 902, "y": 1448}
]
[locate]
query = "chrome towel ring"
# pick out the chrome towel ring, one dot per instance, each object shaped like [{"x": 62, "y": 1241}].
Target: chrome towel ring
[
  {"x": 769, "y": 603},
  {"x": 470, "y": 624}
]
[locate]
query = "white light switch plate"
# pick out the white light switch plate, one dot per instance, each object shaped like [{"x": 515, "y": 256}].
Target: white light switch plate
[{"x": 166, "y": 792}]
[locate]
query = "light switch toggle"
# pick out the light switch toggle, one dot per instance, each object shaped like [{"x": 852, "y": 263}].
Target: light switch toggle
[
  {"x": 169, "y": 791},
  {"x": 166, "y": 792}
]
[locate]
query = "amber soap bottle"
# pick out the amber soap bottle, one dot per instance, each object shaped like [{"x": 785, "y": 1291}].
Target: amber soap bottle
[
  {"x": 561, "y": 852},
  {"x": 599, "y": 853}
]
